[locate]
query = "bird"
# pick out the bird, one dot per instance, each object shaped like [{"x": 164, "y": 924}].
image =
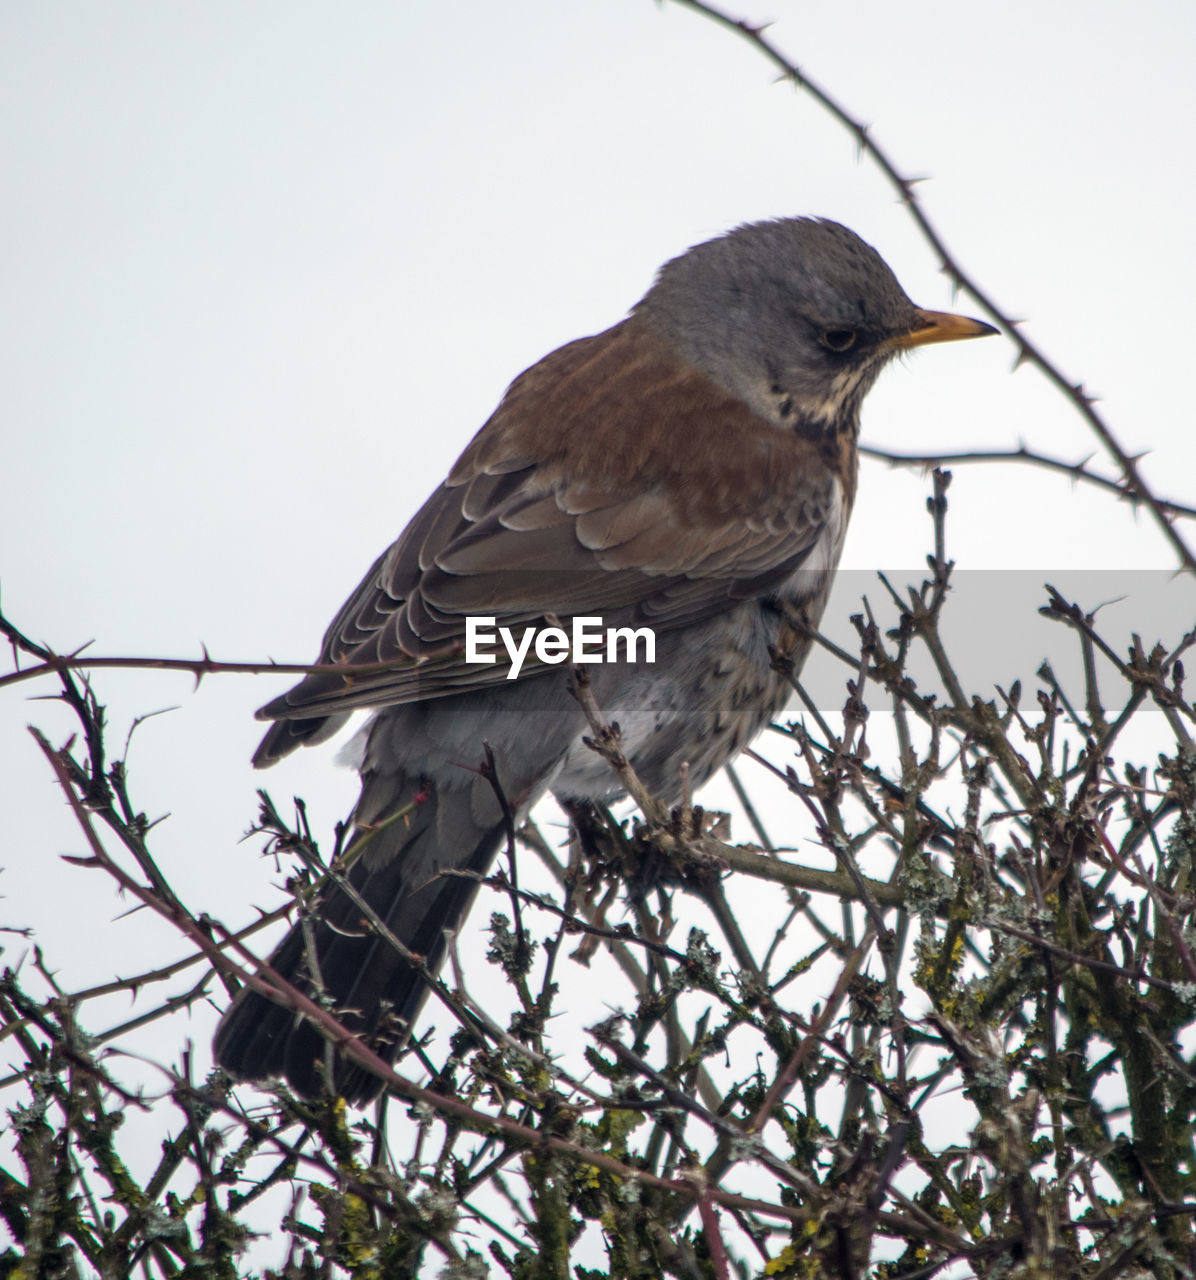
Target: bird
[{"x": 689, "y": 471}]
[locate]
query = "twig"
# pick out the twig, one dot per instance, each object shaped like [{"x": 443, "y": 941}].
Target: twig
[{"x": 1076, "y": 470}]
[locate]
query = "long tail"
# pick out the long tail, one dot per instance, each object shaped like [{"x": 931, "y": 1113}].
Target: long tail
[{"x": 373, "y": 990}]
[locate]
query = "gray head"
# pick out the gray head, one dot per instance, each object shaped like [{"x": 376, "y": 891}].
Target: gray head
[{"x": 796, "y": 317}]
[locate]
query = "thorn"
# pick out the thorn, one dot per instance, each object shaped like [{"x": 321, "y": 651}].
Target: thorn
[
  {"x": 861, "y": 146},
  {"x": 206, "y": 661},
  {"x": 907, "y": 189},
  {"x": 1023, "y": 357}
]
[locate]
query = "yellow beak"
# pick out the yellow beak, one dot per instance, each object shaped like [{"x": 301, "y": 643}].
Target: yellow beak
[{"x": 940, "y": 326}]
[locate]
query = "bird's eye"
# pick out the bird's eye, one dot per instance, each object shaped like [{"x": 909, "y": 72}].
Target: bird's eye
[{"x": 838, "y": 339}]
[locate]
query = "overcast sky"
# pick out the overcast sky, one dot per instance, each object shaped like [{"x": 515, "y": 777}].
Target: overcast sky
[{"x": 267, "y": 267}]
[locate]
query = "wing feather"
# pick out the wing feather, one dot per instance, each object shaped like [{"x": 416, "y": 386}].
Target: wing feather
[{"x": 566, "y": 503}]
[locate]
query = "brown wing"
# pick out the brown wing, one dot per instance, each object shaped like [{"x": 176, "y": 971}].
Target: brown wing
[{"x": 612, "y": 480}]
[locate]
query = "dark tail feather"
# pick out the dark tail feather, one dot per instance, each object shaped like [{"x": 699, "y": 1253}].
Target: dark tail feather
[{"x": 374, "y": 991}]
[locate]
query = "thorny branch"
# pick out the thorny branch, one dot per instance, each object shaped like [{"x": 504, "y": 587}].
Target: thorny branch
[
  {"x": 1131, "y": 484},
  {"x": 1040, "y": 976},
  {"x": 1013, "y": 950}
]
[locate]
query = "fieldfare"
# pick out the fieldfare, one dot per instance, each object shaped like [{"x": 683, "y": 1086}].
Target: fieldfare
[{"x": 691, "y": 470}]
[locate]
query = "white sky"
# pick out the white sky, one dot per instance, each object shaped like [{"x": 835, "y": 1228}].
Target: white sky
[{"x": 266, "y": 268}]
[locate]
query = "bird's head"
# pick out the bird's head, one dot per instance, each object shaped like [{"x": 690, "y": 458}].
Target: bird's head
[{"x": 795, "y": 317}]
